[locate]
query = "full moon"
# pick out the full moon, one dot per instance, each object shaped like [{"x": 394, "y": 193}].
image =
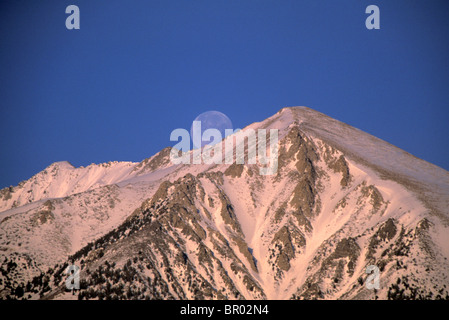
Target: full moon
[{"x": 210, "y": 120}]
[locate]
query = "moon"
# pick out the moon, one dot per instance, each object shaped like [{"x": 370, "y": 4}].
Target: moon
[{"x": 210, "y": 120}]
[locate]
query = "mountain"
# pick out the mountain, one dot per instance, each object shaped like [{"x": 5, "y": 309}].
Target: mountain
[{"x": 340, "y": 200}]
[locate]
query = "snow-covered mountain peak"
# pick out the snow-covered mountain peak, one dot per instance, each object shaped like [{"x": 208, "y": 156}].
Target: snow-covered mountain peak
[
  {"x": 64, "y": 165},
  {"x": 61, "y": 179}
]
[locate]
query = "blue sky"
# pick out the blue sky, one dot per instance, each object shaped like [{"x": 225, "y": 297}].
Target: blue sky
[{"x": 136, "y": 70}]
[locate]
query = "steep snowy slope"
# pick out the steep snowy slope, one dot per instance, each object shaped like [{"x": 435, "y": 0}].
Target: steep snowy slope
[{"x": 340, "y": 200}]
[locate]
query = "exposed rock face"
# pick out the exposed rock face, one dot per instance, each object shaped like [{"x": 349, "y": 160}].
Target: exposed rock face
[
  {"x": 158, "y": 161},
  {"x": 375, "y": 196},
  {"x": 386, "y": 232},
  {"x": 234, "y": 170},
  {"x": 335, "y": 266},
  {"x": 5, "y": 194},
  {"x": 287, "y": 244},
  {"x": 346, "y": 248},
  {"x": 341, "y": 166}
]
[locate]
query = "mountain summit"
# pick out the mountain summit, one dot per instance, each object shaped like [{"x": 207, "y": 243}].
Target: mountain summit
[{"x": 341, "y": 201}]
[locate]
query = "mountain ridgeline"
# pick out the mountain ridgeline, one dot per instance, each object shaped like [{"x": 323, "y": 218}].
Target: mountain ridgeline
[{"x": 340, "y": 201}]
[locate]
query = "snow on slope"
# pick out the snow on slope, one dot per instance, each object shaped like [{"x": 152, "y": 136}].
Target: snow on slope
[{"x": 61, "y": 179}]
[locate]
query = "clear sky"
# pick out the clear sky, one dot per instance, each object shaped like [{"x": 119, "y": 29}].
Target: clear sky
[{"x": 136, "y": 70}]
